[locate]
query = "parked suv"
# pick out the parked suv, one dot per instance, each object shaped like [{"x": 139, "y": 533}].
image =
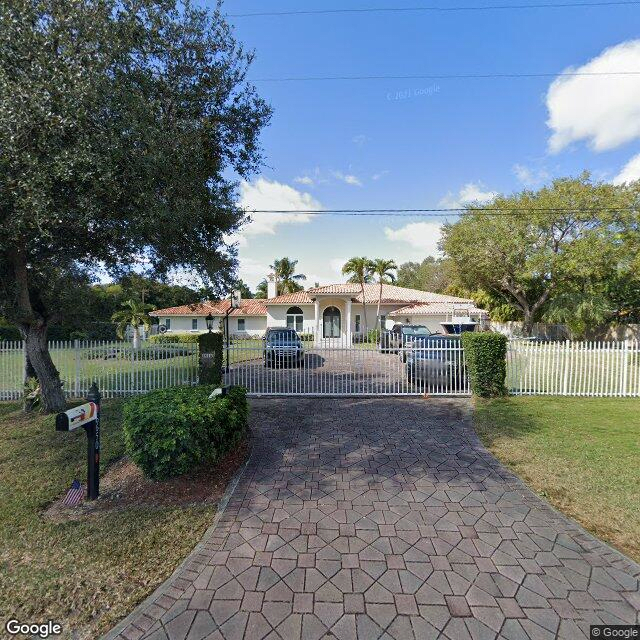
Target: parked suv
[
  {"x": 401, "y": 337},
  {"x": 282, "y": 346}
]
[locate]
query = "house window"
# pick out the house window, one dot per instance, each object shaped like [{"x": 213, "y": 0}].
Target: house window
[
  {"x": 241, "y": 324},
  {"x": 194, "y": 324},
  {"x": 167, "y": 324},
  {"x": 295, "y": 318},
  {"x": 357, "y": 323}
]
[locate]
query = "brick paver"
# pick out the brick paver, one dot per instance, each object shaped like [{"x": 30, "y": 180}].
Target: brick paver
[{"x": 385, "y": 519}]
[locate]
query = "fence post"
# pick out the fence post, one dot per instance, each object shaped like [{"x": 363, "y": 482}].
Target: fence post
[
  {"x": 625, "y": 369},
  {"x": 565, "y": 380},
  {"x": 76, "y": 365}
]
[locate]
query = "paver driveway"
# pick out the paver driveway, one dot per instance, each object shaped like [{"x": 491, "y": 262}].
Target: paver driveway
[{"x": 386, "y": 518}]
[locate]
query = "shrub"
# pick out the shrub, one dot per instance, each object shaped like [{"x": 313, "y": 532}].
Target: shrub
[
  {"x": 373, "y": 336},
  {"x": 171, "y": 431},
  {"x": 163, "y": 338},
  {"x": 486, "y": 358}
]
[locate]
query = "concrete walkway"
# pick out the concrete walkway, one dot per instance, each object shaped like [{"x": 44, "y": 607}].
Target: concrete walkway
[{"x": 386, "y": 518}]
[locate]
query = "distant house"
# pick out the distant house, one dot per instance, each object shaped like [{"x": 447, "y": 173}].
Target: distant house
[{"x": 331, "y": 311}]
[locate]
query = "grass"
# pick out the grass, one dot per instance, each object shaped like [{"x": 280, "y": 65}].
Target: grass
[
  {"x": 86, "y": 574},
  {"x": 115, "y": 375},
  {"x": 581, "y": 454}
]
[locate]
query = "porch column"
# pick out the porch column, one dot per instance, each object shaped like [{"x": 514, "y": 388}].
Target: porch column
[
  {"x": 316, "y": 310},
  {"x": 348, "y": 305}
]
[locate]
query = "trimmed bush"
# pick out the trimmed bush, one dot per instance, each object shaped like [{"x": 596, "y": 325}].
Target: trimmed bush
[
  {"x": 164, "y": 338},
  {"x": 486, "y": 357},
  {"x": 210, "y": 371},
  {"x": 172, "y": 431}
]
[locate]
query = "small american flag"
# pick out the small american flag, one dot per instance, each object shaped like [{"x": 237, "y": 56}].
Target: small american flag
[{"x": 75, "y": 495}]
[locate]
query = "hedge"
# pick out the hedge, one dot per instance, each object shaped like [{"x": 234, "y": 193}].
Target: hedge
[
  {"x": 486, "y": 358},
  {"x": 172, "y": 431},
  {"x": 164, "y": 338}
]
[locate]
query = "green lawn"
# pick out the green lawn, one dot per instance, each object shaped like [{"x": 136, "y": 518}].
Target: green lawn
[
  {"x": 86, "y": 574},
  {"x": 581, "y": 454}
]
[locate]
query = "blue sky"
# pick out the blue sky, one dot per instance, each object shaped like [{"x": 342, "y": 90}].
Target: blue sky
[{"x": 426, "y": 143}]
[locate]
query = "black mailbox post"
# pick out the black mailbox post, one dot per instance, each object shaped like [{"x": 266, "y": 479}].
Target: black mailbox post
[{"x": 87, "y": 416}]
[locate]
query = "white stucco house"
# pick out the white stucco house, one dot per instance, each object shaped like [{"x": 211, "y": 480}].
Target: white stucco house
[{"x": 332, "y": 311}]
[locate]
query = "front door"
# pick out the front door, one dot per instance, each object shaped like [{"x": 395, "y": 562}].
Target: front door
[{"x": 331, "y": 323}]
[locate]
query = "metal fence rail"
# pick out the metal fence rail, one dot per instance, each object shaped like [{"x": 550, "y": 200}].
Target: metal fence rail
[
  {"x": 320, "y": 366},
  {"x": 118, "y": 368}
]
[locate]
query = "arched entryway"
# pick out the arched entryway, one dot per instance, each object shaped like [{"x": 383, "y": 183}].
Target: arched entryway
[{"x": 331, "y": 322}]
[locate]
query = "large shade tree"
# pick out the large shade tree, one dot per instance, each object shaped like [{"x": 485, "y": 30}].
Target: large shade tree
[
  {"x": 122, "y": 128},
  {"x": 544, "y": 248}
]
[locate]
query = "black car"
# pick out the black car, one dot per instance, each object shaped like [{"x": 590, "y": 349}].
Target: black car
[
  {"x": 283, "y": 347},
  {"x": 401, "y": 336}
]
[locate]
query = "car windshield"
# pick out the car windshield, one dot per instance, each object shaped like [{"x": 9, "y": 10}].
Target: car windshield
[
  {"x": 416, "y": 331},
  {"x": 286, "y": 336}
]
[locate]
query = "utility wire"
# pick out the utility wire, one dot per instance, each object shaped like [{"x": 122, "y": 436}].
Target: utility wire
[
  {"x": 546, "y": 5},
  {"x": 442, "y": 212},
  {"x": 455, "y": 76}
]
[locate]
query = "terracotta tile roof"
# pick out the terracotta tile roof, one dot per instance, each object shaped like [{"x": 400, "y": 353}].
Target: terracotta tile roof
[
  {"x": 390, "y": 293},
  {"x": 215, "y": 308},
  {"x": 299, "y": 297},
  {"x": 436, "y": 309}
]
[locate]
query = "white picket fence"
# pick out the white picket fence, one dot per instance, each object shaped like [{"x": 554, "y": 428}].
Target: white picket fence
[
  {"x": 330, "y": 367},
  {"x": 118, "y": 368},
  {"x": 589, "y": 368}
]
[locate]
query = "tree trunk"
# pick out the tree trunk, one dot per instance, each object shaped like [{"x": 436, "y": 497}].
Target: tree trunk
[
  {"x": 364, "y": 314},
  {"x": 527, "y": 323},
  {"x": 136, "y": 337},
  {"x": 35, "y": 336}
]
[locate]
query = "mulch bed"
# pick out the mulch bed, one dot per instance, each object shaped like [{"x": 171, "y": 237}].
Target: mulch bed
[{"x": 123, "y": 486}]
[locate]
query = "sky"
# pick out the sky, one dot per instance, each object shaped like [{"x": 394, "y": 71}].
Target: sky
[{"x": 425, "y": 143}]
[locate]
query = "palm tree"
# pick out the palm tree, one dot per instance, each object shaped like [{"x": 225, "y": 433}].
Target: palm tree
[
  {"x": 133, "y": 314},
  {"x": 287, "y": 279},
  {"x": 383, "y": 269},
  {"x": 359, "y": 270}
]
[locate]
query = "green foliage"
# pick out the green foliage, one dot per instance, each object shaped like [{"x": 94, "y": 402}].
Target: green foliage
[
  {"x": 373, "y": 336},
  {"x": 486, "y": 358},
  {"x": 124, "y": 128},
  {"x": 10, "y": 333},
  {"x": 172, "y": 431},
  {"x": 169, "y": 338},
  {"x": 210, "y": 346},
  {"x": 288, "y": 281},
  {"x": 571, "y": 236},
  {"x": 359, "y": 270},
  {"x": 133, "y": 314},
  {"x": 432, "y": 274}
]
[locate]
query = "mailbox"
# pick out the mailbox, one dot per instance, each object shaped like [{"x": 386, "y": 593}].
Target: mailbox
[{"x": 76, "y": 417}]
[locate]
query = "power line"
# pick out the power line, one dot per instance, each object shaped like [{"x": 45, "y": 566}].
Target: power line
[
  {"x": 547, "y": 5},
  {"x": 440, "y": 212},
  {"x": 455, "y": 76}
]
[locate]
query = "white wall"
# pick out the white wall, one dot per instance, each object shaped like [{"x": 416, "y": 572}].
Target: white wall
[
  {"x": 277, "y": 316},
  {"x": 254, "y": 325}
]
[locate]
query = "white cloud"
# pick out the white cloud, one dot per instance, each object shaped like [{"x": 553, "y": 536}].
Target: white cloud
[
  {"x": 470, "y": 193},
  {"x": 252, "y": 271},
  {"x": 270, "y": 195},
  {"x": 530, "y": 177},
  {"x": 360, "y": 139},
  {"x": 603, "y": 111},
  {"x": 423, "y": 237},
  {"x": 347, "y": 178},
  {"x": 630, "y": 171},
  {"x": 380, "y": 174},
  {"x": 336, "y": 265},
  {"x": 306, "y": 180}
]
